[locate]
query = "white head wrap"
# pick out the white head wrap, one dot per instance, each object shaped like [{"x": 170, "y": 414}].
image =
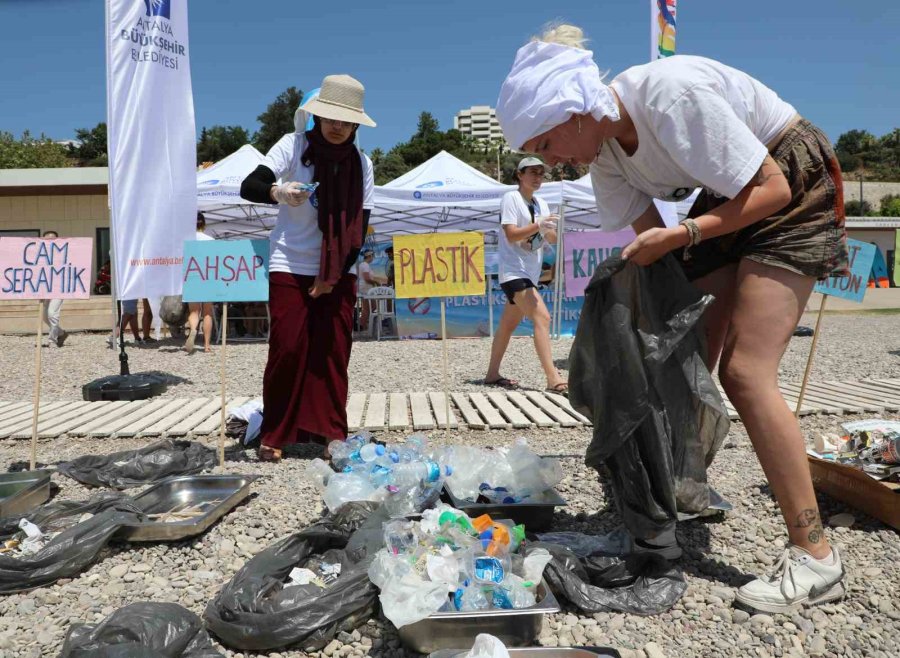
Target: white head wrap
[{"x": 548, "y": 83}]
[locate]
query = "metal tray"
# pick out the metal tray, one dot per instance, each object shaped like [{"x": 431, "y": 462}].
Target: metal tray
[
  {"x": 448, "y": 630},
  {"x": 22, "y": 492},
  {"x": 535, "y": 515},
  {"x": 541, "y": 652},
  {"x": 220, "y": 493}
]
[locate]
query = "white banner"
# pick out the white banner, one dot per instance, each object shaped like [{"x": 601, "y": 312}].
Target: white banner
[
  {"x": 152, "y": 144},
  {"x": 662, "y": 28}
]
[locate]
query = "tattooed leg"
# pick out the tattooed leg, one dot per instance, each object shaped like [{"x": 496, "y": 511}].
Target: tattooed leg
[{"x": 809, "y": 518}]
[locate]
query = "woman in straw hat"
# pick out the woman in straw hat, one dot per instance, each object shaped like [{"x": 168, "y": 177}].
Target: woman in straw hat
[
  {"x": 768, "y": 223},
  {"x": 314, "y": 245}
]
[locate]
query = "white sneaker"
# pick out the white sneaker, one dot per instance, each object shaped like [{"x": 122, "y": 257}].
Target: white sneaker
[{"x": 797, "y": 580}]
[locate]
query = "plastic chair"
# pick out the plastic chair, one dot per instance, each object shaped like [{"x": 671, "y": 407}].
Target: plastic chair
[{"x": 378, "y": 298}]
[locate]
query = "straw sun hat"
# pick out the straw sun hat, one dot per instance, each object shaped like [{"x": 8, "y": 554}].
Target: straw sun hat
[{"x": 340, "y": 99}]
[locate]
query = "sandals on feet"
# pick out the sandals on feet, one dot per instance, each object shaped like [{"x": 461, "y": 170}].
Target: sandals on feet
[
  {"x": 560, "y": 389},
  {"x": 503, "y": 382},
  {"x": 269, "y": 454}
]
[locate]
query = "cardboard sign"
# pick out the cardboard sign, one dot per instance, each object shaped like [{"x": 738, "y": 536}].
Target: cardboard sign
[
  {"x": 45, "y": 269},
  {"x": 439, "y": 265},
  {"x": 852, "y": 286},
  {"x": 585, "y": 250},
  {"x": 226, "y": 271}
]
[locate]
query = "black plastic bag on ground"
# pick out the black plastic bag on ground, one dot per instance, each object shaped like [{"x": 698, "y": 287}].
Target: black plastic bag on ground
[
  {"x": 142, "y": 630},
  {"x": 636, "y": 370},
  {"x": 71, "y": 551},
  {"x": 134, "y": 468},
  {"x": 255, "y": 611},
  {"x": 639, "y": 583}
]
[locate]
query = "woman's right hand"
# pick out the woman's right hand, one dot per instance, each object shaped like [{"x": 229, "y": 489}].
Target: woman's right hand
[
  {"x": 548, "y": 224},
  {"x": 290, "y": 194}
]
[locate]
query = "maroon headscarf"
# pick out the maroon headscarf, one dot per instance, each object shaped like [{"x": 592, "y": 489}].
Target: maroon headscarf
[{"x": 339, "y": 173}]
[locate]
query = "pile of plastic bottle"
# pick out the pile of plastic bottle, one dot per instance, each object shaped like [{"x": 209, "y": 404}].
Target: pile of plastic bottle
[
  {"x": 406, "y": 477},
  {"x": 448, "y": 562},
  {"x": 502, "y": 475}
]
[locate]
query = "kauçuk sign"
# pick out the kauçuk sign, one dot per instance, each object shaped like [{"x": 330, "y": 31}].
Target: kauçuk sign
[
  {"x": 45, "y": 269},
  {"x": 226, "y": 271},
  {"x": 853, "y": 285},
  {"x": 585, "y": 250},
  {"x": 439, "y": 265}
]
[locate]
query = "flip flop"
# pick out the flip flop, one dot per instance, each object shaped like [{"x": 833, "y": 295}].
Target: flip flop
[
  {"x": 189, "y": 343},
  {"x": 560, "y": 389},
  {"x": 503, "y": 382}
]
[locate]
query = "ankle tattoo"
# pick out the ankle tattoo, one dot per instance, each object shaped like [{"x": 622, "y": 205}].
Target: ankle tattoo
[{"x": 809, "y": 518}]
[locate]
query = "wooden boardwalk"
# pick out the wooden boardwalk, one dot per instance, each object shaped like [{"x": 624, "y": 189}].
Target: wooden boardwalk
[{"x": 478, "y": 410}]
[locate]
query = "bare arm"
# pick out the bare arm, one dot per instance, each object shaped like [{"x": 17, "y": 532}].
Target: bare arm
[
  {"x": 650, "y": 218},
  {"x": 516, "y": 234},
  {"x": 767, "y": 193}
]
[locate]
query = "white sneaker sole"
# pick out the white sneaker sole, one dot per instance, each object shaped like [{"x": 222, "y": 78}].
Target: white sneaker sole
[{"x": 833, "y": 593}]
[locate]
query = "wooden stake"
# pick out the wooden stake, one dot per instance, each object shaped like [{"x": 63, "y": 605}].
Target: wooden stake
[
  {"x": 37, "y": 383},
  {"x": 490, "y": 301},
  {"x": 809, "y": 361},
  {"x": 222, "y": 377},
  {"x": 446, "y": 376}
]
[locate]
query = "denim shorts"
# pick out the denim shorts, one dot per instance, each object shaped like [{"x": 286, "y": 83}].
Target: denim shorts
[
  {"x": 129, "y": 306},
  {"x": 807, "y": 236}
]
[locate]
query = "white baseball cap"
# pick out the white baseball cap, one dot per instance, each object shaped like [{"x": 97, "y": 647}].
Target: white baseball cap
[{"x": 529, "y": 161}]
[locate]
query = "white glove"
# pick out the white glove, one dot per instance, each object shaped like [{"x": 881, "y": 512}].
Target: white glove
[
  {"x": 548, "y": 224},
  {"x": 290, "y": 194}
]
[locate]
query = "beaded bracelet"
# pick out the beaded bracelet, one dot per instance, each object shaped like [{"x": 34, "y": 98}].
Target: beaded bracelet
[{"x": 694, "y": 237}]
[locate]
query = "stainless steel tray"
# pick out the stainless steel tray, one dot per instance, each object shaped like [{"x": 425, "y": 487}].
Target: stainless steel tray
[
  {"x": 22, "y": 492},
  {"x": 535, "y": 514},
  {"x": 216, "y": 494},
  {"x": 448, "y": 630},
  {"x": 541, "y": 652}
]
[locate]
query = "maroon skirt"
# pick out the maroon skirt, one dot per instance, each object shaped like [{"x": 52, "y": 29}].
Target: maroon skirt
[{"x": 305, "y": 383}]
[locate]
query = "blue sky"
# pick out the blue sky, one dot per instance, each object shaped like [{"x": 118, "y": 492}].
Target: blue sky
[{"x": 836, "y": 61}]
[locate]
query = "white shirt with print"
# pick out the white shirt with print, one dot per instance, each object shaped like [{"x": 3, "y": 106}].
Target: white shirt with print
[{"x": 523, "y": 259}]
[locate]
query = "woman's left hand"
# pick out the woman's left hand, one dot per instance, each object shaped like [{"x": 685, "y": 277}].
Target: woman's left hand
[
  {"x": 319, "y": 288},
  {"x": 651, "y": 245}
]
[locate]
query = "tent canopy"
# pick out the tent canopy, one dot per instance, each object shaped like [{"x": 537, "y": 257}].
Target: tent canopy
[{"x": 228, "y": 216}]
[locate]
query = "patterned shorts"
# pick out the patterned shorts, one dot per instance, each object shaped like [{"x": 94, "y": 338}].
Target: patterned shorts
[{"x": 807, "y": 236}]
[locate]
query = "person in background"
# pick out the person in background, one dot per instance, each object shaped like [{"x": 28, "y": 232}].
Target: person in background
[
  {"x": 129, "y": 319},
  {"x": 767, "y": 224},
  {"x": 365, "y": 281},
  {"x": 52, "y": 309},
  {"x": 198, "y": 308},
  {"x": 147, "y": 323},
  {"x": 525, "y": 222},
  {"x": 313, "y": 252}
]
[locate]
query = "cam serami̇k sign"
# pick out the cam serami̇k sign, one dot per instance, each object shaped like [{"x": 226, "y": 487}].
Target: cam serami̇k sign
[
  {"x": 439, "y": 265},
  {"x": 31, "y": 268}
]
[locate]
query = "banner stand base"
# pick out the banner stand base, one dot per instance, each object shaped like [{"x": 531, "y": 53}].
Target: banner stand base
[{"x": 139, "y": 386}]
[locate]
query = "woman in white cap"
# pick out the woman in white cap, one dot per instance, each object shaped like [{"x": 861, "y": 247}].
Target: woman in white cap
[
  {"x": 768, "y": 223},
  {"x": 525, "y": 222},
  {"x": 314, "y": 246}
]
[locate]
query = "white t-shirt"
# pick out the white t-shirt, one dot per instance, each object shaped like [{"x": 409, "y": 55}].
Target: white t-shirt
[
  {"x": 295, "y": 243},
  {"x": 523, "y": 259},
  {"x": 203, "y": 236},
  {"x": 363, "y": 286},
  {"x": 699, "y": 124}
]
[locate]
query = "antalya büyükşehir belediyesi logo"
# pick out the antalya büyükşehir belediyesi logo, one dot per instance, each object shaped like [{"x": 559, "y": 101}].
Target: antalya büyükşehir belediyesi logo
[{"x": 158, "y": 8}]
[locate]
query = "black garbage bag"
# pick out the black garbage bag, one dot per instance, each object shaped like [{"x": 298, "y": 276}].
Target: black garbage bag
[
  {"x": 636, "y": 370},
  {"x": 133, "y": 468},
  {"x": 638, "y": 583},
  {"x": 142, "y": 630},
  {"x": 255, "y": 611},
  {"x": 71, "y": 551}
]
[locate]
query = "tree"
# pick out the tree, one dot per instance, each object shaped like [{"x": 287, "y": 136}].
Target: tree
[
  {"x": 218, "y": 142},
  {"x": 92, "y": 150},
  {"x": 278, "y": 119},
  {"x": 851, "y": 148},
  {"x": 853, "y": 209},
  {"x": 890, "y": 206},
  {"x": 31, "y": 153}
]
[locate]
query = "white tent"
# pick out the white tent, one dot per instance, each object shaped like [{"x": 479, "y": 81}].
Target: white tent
[
  {"x": 228, "y": 216},
  {"x": 442, "y": 194}
]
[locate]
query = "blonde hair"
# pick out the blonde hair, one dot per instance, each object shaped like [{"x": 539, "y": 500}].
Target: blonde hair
[{"x": 563, "y": 34}]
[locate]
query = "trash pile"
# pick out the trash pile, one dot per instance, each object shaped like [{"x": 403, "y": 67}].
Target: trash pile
[
  {"x": 502, "y": 475},
  {"x": 448, "y": 562},
  {"x": 406, "y": 477},
  {"x": 873, "y": 446}
]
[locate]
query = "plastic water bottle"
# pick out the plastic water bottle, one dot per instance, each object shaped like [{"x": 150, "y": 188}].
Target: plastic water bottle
[
  {"x": 490, "y": 569},
  {"x": 347, "y": 487},
  {"x": 469, "y": 597},
  {"x": 319, "y": 472},
  {"x": 370, "y": 452},
  {"x": 400, "y": 536},
  {"x": 513, "y": 593},
  {"x": 412, "y": 473}
]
